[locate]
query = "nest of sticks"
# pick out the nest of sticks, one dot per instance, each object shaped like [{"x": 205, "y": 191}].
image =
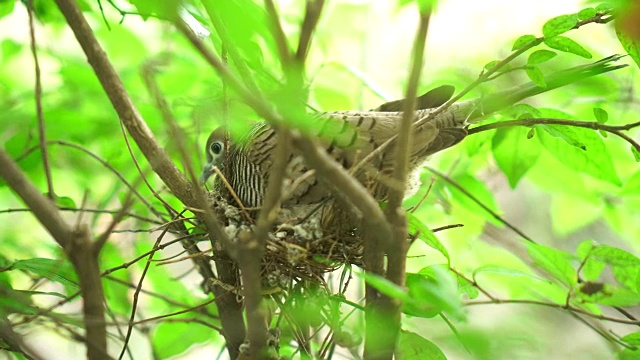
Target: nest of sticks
[{"x": 305, "y": 242}]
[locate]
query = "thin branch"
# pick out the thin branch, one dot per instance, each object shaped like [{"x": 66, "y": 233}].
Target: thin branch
[
  {"x": 252, "y": 249},
  {"x": 103, "y": 163},
  {"x": 131, "y": 119},
  {"x": 446, "y": 227},
  {"x": 383, "y": 312},
  {"x": 213, "y": 225},
  {"x": 238, "y": 60},
  {"x": 77, "y": 247},
  {"x": 593, "y": 125},
  {"x": 128, "y": 113},
  {"x": 95, "y": 211},
  {"x": 38, "y": 97},
  {"x": 142, "y": 174},
  {"x": 12, "y": 341},
  {"x": 278, "y": 34},
  {"x": 555, "y": 306},
  {"x": 136, "y": 294},
  {"x": 477, "y": 201},
  {"x": 42, "y": 207},
  {"x": 102, "y": 239},
  {"x": 311, "y": 17}
]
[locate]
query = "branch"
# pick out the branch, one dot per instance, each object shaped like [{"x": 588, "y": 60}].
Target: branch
[
  {"x": 43, "y": 208},
  {"x": 555, "y": 306},
  {"x": 311, "y": 17},
  {"x": 278, "y": 33},
  {"x": 230, "y": 312},
  {"x": 383, "y": 316},
  {"x": 479, "y": 203},
  {"x": 38, "y": 95},
  {"x": 129, "y": 115},
  {"x": 593, "y": 125},
  {"x": 76, "y": 245}
]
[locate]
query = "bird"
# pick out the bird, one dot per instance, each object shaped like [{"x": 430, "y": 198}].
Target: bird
[{"x": 350, "y": 136}]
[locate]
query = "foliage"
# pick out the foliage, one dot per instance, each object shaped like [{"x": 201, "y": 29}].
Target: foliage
[{"x": 563, "y": 200}]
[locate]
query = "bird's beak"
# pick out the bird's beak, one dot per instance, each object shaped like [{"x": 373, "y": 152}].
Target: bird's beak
[{"x": 206, "y": 173}]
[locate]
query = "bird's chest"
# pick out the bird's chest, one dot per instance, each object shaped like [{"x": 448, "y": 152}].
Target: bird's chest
[{"x": 248, "y": 181}]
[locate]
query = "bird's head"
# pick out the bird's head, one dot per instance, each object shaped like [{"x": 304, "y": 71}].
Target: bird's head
[{"x": 215, "y": 150}]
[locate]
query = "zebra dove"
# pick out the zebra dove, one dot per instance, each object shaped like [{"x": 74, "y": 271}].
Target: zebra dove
[{"x": 349, "y": 136}]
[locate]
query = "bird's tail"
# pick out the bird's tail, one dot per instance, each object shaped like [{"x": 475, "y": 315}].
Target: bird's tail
[{"x": 503, "y": 99}]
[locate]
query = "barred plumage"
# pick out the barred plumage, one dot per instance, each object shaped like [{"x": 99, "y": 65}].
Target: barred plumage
[{"x": 349, "y": 136}]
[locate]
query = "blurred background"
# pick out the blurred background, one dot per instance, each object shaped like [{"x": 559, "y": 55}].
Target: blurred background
[{"x": 359, "y": 58}]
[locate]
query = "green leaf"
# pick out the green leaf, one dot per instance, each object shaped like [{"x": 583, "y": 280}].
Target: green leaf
[
  {"x": 565, "y": 133},
  {"x": 467, "y": 288},
  {"x": 559, "y": 24},
  {"x": 522, "y": 41},
  {"x": 624, "y": 265},
  {"x": 16, "y": 147},
  {"x": 116, "y": 294},
  {"x": 332, "y": 98},
  {"x": 59, "y": 271},
  {"x": 9, "y": 48},
  {"x": 166, "y": 336},
  {"x": 632, "y": 339},
  {"x": 636, "y": 153},
  {"x": 13, "y": 301},
  {"x": 587, "y": 13},
  {"x": 433, "y": 290},
  {"x": 567, "y": 45},
  {"x": 522, "y": 111},
  {"x": 605, "y": 6},
  {"x": 385, "y": 286},
  {"x": 584, "y": 248},
  {"x": 586, "y": 152},
  {"x": 572, "y": 211},
  {"x": 493, "y": 269},
  {"x": 422, "y": 4},
  {"x": 479, "y": 191},
  {"x": 535, "y": 74},
  {"x": 235, "y": 17},
  {"x": 65, "y": 202},
  {"x": 491, "y": 64},
  {"x": 601, "y": 115},
  {"x": 555, "y": 262},
  {"x": 630, "y": 45},
  {"x": 606, "y": 294},
  {"x": 513, "y": 153},
  {"x": 6, "y": 7},
  {"x": 425, "y": 234},
  {"x": 540, "y": 56},
  {"x": 591, "y": 267},
  {"x": 531, "y": 133},
  {"x": 632, "y": 185},
  {"x": 412, "y": 346},
  {"x": 164, "y": 9}
]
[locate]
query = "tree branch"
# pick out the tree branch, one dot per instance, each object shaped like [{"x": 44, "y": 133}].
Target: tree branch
[
  {"x": 383, "y": 315},
  {"x": 593, "y": 125},
  {"x": 38, "y": 98},
  {"x": 130, "y": 117},
  {"x": 76, "y": 245}
]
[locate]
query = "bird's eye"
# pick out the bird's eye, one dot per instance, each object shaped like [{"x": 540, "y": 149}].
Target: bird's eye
[{"x": 215, "y": 148}]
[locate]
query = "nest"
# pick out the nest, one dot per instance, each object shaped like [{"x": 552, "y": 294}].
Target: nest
[{"x": 305, "y": 242}]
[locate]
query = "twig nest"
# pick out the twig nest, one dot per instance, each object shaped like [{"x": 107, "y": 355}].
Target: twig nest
[{"x": 305, "y": 242}]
